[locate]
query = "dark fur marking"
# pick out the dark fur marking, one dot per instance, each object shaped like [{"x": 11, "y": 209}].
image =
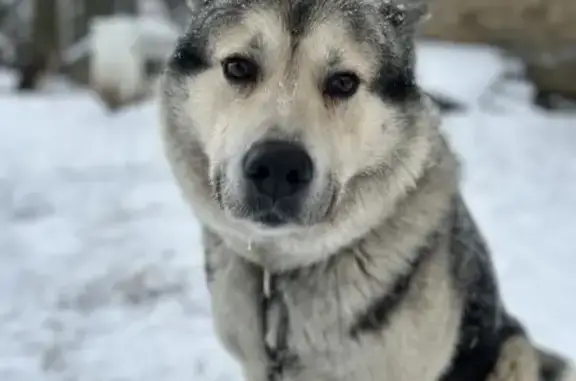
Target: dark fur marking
[
  {"x": 378, "y": 315},
  {"x": 395, "y": 84},
  {"x": 190, "y": 55},
  {"x": 392, "y": 13},
  {"x": 209, "y": 272},
  {"x": 484, "y": 325},
  {"x": 189, "y": 58},
  {"x": 212, "y": 241},
  {"x": 404, "y": 18},
  {"x": 479, "y": 349},
  {"x": 280, "y": 357},
  {"x": 552, "y": 367},
  {"x": 299, "y": 16}
]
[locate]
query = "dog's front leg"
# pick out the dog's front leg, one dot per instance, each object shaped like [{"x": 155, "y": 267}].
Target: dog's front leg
[{"x": 236, "y": 294}]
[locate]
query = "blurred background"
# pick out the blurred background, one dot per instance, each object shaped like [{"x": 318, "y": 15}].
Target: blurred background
[
  {"x": 115, "y": 47},
  {"x": 73, "y": 38},
  {"x": 101, "y": 274}
]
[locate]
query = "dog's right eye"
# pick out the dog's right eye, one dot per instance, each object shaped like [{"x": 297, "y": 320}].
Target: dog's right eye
[
  {"x": 341, "y": 85},
  {"x": 240, "y": 70}
]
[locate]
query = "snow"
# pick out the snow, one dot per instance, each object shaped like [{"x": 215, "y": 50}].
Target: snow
[
  {"x": 465, "y": 82},
  {"x": 100, "y": 262}
]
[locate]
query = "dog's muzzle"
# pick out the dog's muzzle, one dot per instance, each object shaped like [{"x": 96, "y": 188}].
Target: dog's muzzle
[{"x": 277, "y": 175}]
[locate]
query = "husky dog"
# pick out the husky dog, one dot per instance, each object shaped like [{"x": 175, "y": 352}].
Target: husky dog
[{"x": 337, "y": 246}]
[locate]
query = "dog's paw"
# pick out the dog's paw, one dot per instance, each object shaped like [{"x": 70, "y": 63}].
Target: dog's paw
[{"x": 518, "y": 361}]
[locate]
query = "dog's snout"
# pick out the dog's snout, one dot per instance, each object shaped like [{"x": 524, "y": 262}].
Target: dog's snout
[{"x": 278, "y": 169}]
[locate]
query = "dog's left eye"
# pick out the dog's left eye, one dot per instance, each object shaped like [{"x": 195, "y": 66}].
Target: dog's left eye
[
  {"x": 341, "y": 85},
  {"x": 240, "y": 70}
]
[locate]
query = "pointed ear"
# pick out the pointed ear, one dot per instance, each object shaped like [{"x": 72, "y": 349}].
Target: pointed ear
[
  {"x": 194, "y": 5},
  {"x": 405, "y": 15}
]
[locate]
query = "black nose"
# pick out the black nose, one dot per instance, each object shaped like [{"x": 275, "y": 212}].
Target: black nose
[{"x": 278, "y": 169}]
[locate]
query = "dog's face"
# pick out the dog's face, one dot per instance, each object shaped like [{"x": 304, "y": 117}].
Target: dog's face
[{"x": 293, "y": 104}]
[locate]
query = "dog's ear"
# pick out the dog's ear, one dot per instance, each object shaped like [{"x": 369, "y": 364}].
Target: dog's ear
[
  {"x": 194, "y": 5},
  {"x": 406, "y": 15}
]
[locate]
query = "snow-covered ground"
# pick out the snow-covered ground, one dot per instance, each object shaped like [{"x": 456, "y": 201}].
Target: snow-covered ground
[{"x": 100, "y": 266}]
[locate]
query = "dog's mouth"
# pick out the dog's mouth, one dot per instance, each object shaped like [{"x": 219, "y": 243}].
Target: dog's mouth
[
  {"x": 241, "y": 204},
  {"x": 272, "y": 214},
  {"x": 271, "y": 219}
]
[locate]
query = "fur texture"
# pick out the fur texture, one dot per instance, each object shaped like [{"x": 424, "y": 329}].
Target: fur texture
[{"x": 379, "y": 272}]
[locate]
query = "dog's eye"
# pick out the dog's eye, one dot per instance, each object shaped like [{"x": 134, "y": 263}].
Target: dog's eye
[
  {"x": 341, "y": 85},
  {"x": 240, "y": 70}
]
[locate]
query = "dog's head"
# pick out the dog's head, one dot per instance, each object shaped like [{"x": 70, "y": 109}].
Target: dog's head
[{"x": 284, "y": 112}]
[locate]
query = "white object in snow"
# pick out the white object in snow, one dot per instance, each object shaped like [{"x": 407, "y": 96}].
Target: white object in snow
[
  {"x": 120, "y": 47},
  {"x": 156, "y": 37},
  {"x": 116, "y": 68}
]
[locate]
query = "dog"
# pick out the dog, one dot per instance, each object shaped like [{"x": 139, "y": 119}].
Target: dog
[{"x": 337, "y": 244}]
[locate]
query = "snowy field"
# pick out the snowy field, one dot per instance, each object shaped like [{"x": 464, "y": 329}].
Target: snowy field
[{"x": 100, "y": 266}]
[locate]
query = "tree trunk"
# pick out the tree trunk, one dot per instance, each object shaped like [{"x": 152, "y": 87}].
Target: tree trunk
[
  {"x": 44, "y": 47},
  {"x": 109, "y": 7},
  {"x": 129, "y": 7},
  {"x": 98, "y": 8}
]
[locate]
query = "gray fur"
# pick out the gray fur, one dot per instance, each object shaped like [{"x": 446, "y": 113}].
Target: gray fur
[{"x": 383, "y": 275}]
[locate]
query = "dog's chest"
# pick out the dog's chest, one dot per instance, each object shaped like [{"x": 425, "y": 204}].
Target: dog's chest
[
  {"x": 310, "y": 318},
  {"x": 305, "y": 329},
  {"x": 307, "y": 322}
]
